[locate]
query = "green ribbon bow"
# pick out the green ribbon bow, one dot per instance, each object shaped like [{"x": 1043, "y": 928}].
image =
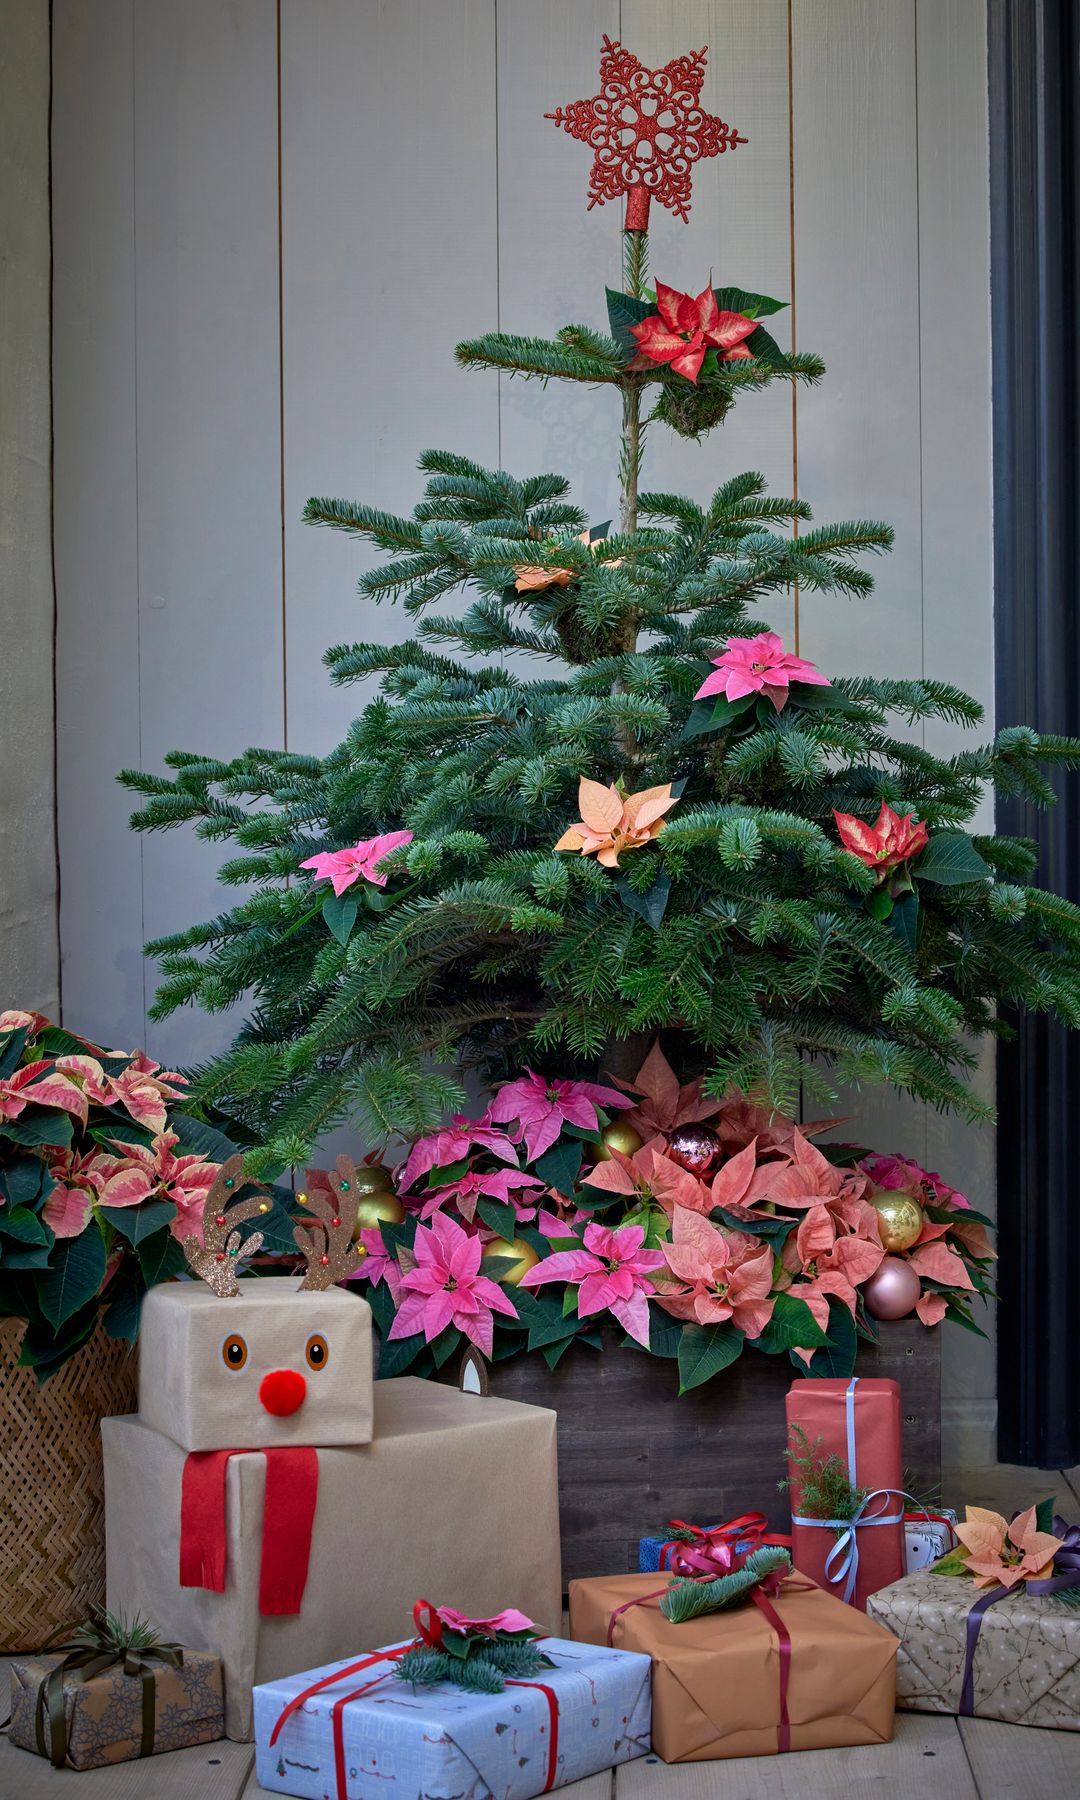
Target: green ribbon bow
[{"x": 101, "y": 1643}]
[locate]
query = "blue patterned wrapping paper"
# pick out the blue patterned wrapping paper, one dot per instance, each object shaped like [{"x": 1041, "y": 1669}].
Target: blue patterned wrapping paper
[
  {"x": 401, "y": 1740},
  {"x": 649, "y": 1549}
]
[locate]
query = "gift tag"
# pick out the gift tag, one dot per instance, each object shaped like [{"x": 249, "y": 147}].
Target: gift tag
[{"x": 926, "y": 1537}]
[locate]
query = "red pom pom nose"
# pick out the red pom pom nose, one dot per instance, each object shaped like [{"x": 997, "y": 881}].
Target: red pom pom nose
[{"x": 282, "y": 1391}]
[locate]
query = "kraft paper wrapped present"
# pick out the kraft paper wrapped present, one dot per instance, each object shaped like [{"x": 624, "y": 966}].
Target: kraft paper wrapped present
[
  {"x": 207, "y": 1365},
  {"x": 590, "y": 1711},
  {"x": 859, "y": 1421},
  {"x": 720, "y": 1687},
  {"x": 436, "y": 1501},
  {"x": 1024, "y": 1666},
  {"x": 84, "y": 1719}
]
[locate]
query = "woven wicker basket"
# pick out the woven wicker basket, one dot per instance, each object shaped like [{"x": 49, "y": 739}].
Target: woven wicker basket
[{"x": 52, "y": 1510}]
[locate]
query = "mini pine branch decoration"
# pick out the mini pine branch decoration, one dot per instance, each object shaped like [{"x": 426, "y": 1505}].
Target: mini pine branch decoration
[
  {"x": 825, "y": 1489},
  {"x": 689, "y": 1599}
]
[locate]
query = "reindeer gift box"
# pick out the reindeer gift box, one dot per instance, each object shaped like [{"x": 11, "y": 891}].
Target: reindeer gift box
[{"x": 270, "y": 1503}]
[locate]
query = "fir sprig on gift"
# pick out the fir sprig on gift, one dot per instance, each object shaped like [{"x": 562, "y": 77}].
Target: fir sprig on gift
[
  {"x": 686, "y": 1600},
  {"x": 824, "y": 1486},
  {"x": 483, "y": 1671}
]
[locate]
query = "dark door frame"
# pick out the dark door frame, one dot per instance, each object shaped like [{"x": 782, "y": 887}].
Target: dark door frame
[{"x": 1034, "y": 46}]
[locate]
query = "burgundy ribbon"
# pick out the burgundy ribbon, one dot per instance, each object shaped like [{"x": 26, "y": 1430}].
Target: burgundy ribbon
[
  {"x": 1066, "y": 1575},
  {"x": 714, "y": 1549}
]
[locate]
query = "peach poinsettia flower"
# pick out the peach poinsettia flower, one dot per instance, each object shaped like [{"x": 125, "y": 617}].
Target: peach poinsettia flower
[
  {"x": 884, "y": 846},
  {"x": 530, "y": 578},
  {"x": 649, "y": 1175},
  {"x": 725, "y": 1275},
  {"x": 611, "y": 822},
  {"x": 663, "y": 1102},
  {"x": 1000, "y": 1552}
]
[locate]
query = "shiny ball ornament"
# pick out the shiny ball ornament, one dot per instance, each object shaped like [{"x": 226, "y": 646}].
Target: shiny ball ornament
[
  {"x": 380, "y": 1207},
  {"x": 618, "y": 1136},
  {"x": 523, "y": 1254},
  {"x": 900, "y": 1218},
  {"x": 697, "y": 1148},
  {"x": 892, "y": 1289},
  {"x": 371, "y": 1178}
]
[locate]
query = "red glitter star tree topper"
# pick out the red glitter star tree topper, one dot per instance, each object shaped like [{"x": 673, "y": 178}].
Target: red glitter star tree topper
[{"x": 647, "y": 129}]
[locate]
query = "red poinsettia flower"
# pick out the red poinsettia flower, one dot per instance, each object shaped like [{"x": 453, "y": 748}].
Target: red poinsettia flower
[
  {"x": 884, "y": 846},
  {"x": 685, "y": 327}
]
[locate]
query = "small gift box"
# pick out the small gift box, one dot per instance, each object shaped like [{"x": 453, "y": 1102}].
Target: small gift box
[
  {"x": 1002, "y": 1646},
  {"x": 113, "y": 1693},
  {"x": 468, "y": 1706},
  {"x": 857, "y": 1421},
  {"x": 781, "y": 1666},
  {"x": 928, "y": 1536},
  {"x": 692, "y": 1549}
]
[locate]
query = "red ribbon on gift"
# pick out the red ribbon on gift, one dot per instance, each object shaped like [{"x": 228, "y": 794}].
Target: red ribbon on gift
[
  {"x": 428, "y": 1631},
  {"x": 711, "y": 1549}
]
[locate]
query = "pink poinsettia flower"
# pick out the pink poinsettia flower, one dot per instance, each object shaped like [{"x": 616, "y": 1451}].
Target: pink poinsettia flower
[
  {"x": 446, "y": 1287},
  {"x": 156, "y": 1173},
  {"x": 612, "y": 1271},
  {"x": 378, "y": 1264},
  {"x": 477, "y": 1185},
  {"x": 360, "y": 862},
  {"x": 37, "y": 1084},
  {"x": 78, "y": 1181},
  {"x": 685, "y": 327},
  {"x": 440, "y": 1149},
  {"x": 15, "y": 1020},
  {"x": 542, "y": 1105},
  {"x": 885, "y": 846},
  {"x": 507, "y": 1620},
  {"x": 660, "y": 1101},
  {"x": 560, "y": 1222},
  {"x": 143, "y": 1089},
  {"x": 1005, "y": 1553},
  {"x": 759, "y": 665},
  {"x": 900, "y": 1172},
  {"x": 724, "y": 1275}
]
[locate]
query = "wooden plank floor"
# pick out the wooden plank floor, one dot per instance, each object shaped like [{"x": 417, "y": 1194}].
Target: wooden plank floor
[{"x": 930, "y": 1758}]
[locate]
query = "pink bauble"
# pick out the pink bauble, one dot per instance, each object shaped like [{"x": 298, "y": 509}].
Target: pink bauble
[{"x": 892, "y": 1289}]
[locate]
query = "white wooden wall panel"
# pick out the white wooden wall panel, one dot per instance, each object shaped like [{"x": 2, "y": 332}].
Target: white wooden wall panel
[{"x": 423, "y": 198}]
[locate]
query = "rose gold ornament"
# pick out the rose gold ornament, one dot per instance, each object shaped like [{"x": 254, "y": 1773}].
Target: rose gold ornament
[
  {"x": 618, "y": 1136},
  {"x": 892, "y": 1289},
  {"x": 696, "y": 1148},
  {"x": 900, "y": 1217}
]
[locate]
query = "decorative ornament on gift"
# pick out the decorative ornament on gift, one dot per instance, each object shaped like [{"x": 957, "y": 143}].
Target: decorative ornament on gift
[
  {"x": 892, "y": 1290},
  {"x": 647, "y": 128},
  {"x": 696, "y": 1148},
  {"x": 707, "y": 1549},
  {"x": 900, "y": 1218}
]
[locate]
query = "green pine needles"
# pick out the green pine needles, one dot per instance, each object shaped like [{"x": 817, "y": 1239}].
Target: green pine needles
[
  {"x": 688, "y": 1599},
  {"x": 766, "y": 952},
  {"x": 485, "y": 1670}
]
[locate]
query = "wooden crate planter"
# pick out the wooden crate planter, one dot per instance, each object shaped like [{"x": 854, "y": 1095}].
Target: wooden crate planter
[{"x": 632, "y": 1454}]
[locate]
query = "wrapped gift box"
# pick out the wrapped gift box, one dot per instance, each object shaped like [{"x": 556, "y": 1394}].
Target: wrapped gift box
[
  {"x": 716, "y": 1678},
  {"x": 1026, "y": 1663},
  {"x": 441, "y": 1740},
  {"x": 928, "y": 1536},
  {"x": 457, "y": 1494},
  {"x": 653, "y": 1554},
  {"x": 859, "y": 1421},
  {"x": 191, "y": 1391},
  {"x": 103, "y": 1716}
]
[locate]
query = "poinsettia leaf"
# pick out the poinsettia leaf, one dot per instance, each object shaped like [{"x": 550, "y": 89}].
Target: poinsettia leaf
[
  {"x": 623, "y": 311},
  {"x": 665, "y": 1334},
  {"x": 837, "y": 1359},
  {"x": 498, "y": 1266},
  {"x": 1044, "y": 1514},
  {"x": 339, "y": 912},
  {"x": 951, "y": 860},
  {"x": 960, "y": 1316},
  {"x": 23, "y": 1226},
  {"x": 109, "y": 1131},
  {"x": 559, "y": 1167},
  {"x": 502, "y": 1220},
  {"x": 879, "y": 903},
  {"x": 792, "y": 1325},
  {"x": 765, "y": 349},
  {"x": 904, "y": 921},
  {"x": 12, "y": 1045},
  {"x": 136, "y": 1223},
  {"x": 443, "y": 1347},
  {"x": 398, "y": 1234},
  {"x": 739, "y": 300},
  {"x": 74, "y": 1276},
  {"x": 199, "y": 1139},
  {"x": 773, "y": 1232},
  {"x": 445, "y": 1174},
  {"x": 650, "y": 906},
  {"x": 706, "y": 1349},
  {"x": 160, "y": 1257},
  {"x": 25, "y": 1256},
  {"x": 398, "y": 1354},
  {"x": 45, "y": 1348},
  {"x": 123, "y": 1314},
  {"x": 25, "y": 1181},
  {"x": 569, "y": 1302},
  {"x": 36, "y": 1128},
  {"x": 552, "y": 1353}
]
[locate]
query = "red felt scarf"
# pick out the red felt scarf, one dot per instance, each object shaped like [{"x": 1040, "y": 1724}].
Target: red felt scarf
[{"x": 292, "y": 1486}]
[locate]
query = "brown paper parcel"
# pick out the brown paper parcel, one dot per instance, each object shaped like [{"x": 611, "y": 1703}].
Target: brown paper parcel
[
  {"x": 1027, "y": 1658},
  {"x": 104, "y": 1714},
  {"x": 716, "y": 1679},
  {"x": 455, "y": 1501}
]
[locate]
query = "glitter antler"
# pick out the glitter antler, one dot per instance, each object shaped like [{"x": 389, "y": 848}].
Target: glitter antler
[
  {"x": 325, "y": 1242},
  {"x": 215, "y": 1259}
]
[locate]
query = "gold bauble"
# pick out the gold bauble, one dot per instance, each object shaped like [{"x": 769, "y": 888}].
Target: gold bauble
[
  {"x": 372, "y": 1178},
  {"x": 379, "y": 1207},
  {"x": 618, "y": 1136},
  {"x": 900, "y": 1217},
  {"x": 524, "y": 1258}
]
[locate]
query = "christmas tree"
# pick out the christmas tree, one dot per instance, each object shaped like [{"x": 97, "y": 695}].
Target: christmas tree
[{"x": 678, "y": 828}]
